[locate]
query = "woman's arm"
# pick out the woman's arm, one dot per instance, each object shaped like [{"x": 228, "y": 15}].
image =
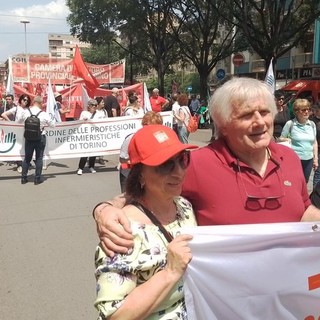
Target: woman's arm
[
  {"x": 5, "y": 115},
  {"x": 315, "y": 154},
  {"x": 311, "y": 214},
  {"x": 146, "y": 298}
]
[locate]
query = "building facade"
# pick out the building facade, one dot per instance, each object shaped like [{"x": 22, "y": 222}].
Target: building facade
[
  {"x": 63, "y": 45},
  {"x": 297, "y": 63}
]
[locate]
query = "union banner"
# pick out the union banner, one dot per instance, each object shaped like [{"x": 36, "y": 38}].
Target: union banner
[
  {"x": 39, "y": 69},
  {"x": 74, "y": 139}
]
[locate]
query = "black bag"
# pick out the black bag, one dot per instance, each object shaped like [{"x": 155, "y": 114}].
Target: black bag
[{"x": 32, "y": 129}]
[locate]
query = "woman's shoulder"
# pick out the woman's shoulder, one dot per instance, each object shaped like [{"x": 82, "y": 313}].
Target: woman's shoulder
[
  {"x": 185, "y": 210},
  {"x": 183, "y": 202}
]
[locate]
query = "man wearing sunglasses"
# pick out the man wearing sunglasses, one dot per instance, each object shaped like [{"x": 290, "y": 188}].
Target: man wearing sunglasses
[{"x": 243, "y": 177}]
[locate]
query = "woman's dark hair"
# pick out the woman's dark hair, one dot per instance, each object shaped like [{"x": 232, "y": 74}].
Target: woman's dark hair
[
  {"x": 25, "y": 96},
  {"x": 132, "y": 97},
  {"x": 98, "y": 99},
  {"x": 133, "y": 186}
]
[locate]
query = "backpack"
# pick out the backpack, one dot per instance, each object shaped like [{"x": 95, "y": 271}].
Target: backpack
[
  {"x": 192, "y": 126},
  {"x": 32, "y": 129}
]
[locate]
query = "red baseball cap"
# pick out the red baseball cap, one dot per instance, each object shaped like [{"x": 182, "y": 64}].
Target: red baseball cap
[{"x": 153, "y": 145}]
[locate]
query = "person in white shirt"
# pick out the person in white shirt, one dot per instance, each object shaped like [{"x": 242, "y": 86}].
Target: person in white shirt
[
  {"x": 133, "y": 108},
  {"x": 91, "y": 113},
  {"x": 101, "y": 112},
  {"x": 36, "y": 146},
  {"x": 14, "y": 113},
  {"x": 175, "y": 111}
]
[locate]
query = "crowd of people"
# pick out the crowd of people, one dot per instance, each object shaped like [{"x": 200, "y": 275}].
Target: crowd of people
[{"x": 98, "y": 108}]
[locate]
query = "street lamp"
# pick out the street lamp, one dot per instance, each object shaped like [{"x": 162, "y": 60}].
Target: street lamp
[{"x": 25, "y": 34}]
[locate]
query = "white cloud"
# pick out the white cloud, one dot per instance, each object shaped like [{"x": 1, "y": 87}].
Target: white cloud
[
  {"x": 44, "y": 19},
  {"x": 56, "y": 9}
]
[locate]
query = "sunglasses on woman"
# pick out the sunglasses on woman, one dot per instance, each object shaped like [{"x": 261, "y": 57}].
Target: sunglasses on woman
[{"x": 182, "y": 159}]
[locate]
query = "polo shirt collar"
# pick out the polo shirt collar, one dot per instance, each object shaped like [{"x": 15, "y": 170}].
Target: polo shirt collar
[
  {"x": 295, "y": 121},
  {"x": 226, "y": 156}
]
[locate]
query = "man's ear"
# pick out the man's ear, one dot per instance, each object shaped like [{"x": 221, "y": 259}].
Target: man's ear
[{"x": 223, "y": 131}]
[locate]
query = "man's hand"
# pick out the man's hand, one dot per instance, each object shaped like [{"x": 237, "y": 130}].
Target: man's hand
[{"x": 114, "y": 229}]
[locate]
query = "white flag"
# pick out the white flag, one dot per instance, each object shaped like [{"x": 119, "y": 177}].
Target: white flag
[
  {"x": 265, "y": 271},
  {"x": 52, "y": 108},
  {"x": 9, "y": 87},
  {"x": 270, "y": 79},
  {"x": 146, "y": 99}
]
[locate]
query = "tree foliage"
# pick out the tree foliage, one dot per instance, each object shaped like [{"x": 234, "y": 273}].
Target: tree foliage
[
  {"x": 162, "y": 33},
  {"x": 204, "y": 37},
  {"x": 138, "y": 27},
  {"x": 273, "y": 27}
]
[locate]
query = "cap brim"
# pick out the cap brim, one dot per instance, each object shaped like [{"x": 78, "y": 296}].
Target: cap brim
[{"x": 162, "y": 156}]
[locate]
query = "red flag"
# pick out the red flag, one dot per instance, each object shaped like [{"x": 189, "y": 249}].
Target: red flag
[{"x": 79, "y": 69}]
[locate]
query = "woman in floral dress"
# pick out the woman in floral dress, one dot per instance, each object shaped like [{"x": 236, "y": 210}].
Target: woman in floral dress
[{"x": 146, "y": 283}]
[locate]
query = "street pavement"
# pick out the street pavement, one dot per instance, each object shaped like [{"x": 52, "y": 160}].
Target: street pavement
[{"x": 48, "y": 238}]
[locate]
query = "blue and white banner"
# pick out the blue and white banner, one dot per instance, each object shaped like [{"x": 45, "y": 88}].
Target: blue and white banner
[
  {"x": 52, "y": 108},
  {"x": 250, "y": 272},
  {"x": 74, "y": 139},
  {"x": 270, "y": 79}
]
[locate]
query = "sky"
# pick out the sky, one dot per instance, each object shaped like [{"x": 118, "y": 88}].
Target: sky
[{"x": 45, "y": 16}]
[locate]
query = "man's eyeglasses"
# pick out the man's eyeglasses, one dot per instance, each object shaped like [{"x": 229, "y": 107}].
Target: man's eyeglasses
[
  {"x": 280, "y": 98},
  {"x": 93, "y": 105},
  {"x": 183, "y": 160},
  {"x": 255, "y": 203},
  {"x": 304, "y": 110},
  {"x": 25, "y": 99}
]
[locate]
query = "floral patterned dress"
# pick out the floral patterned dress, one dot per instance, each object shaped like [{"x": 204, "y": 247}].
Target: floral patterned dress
[{"x": 118, "y": 276}]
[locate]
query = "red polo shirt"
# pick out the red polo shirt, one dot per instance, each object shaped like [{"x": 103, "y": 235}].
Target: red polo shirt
[
  {"x": 157, "y": 103},
  {"x": 218, "y": 191}
]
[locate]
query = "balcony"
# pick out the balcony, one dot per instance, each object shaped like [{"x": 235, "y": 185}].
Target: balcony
[
  {"x": 297, "y": 61},
  {"x": 258, "y": 65},
  {"x": 302, "y": 60}
]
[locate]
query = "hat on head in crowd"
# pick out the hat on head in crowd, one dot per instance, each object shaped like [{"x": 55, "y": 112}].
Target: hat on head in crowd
[
  {"x": 57, "y": 94},
  {"x": 115, "y": 90},
  {"x": 152, "y": 145},
  {"x": 155, "y": 90},
  {"x": 92, "y": 102}
]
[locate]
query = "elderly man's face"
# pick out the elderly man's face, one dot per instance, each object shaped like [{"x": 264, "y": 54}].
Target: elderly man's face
[{"x": 250, "y": 127}]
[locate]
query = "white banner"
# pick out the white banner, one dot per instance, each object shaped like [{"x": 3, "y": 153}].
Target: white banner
[
  {"x": 74, "y": 139},
  {"x": 250, "y": 272}
]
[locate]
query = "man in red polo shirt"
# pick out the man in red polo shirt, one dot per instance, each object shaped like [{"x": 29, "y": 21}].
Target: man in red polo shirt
[
  {"x": 242, "y": 177},
  {"x": 157, "y": 102}
]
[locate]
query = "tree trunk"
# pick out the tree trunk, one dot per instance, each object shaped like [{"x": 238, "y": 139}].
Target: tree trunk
[{"x": 203, "y": 74}]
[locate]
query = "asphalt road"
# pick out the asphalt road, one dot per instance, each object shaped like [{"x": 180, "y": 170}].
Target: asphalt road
[{"x": 48, "y": 238}]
